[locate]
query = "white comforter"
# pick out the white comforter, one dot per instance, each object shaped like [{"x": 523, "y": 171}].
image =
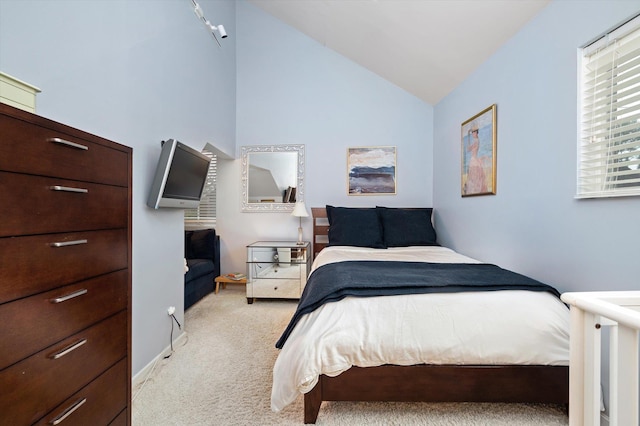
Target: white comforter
[{"x": 492, "y": 327}]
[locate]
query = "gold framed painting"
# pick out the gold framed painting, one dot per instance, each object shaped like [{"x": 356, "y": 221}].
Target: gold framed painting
[
  {"x": 372, "y": 170},
  {"x": 478, "y": 142}
]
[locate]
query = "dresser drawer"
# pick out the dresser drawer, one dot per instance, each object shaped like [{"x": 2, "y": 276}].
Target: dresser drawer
[
  {"x": 97, "y": 404},
  {"x": 274, "y": 288},
  {"x": 34, "y": 386},
  {"x": 33, "y": 264},
  {"x": 46, "y": 318},
  {"x": 46, "y": 151},
  {"x": 37, "y": 205},
  {"x": 121, "y": 420}
]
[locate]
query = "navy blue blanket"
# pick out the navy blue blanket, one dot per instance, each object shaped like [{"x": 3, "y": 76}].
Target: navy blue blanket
[{"x": 335, "y": 281}]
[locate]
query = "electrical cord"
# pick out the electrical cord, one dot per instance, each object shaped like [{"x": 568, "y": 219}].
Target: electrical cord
[
  {"x": 171, "y": 335},
  {"x": 155, "y": 363},
  {"x": 146, "y": 379}
]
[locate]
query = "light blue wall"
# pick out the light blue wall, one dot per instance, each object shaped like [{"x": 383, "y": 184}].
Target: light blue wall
[
  {"x": 136, "y": 72},
  {"x": 293, "y": 90},
  {"x": 533, "y": 224}
]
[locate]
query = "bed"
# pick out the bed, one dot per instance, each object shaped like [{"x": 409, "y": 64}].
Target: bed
[{"x": 435, "y": 346}]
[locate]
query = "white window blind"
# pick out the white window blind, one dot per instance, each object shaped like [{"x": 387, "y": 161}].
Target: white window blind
[
  {"x": 205, "y": 214},
  {"x": 609, "y": 151}
]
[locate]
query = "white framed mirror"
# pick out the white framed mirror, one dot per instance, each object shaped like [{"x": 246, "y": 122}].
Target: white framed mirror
[{"x": 272, "y": 177}]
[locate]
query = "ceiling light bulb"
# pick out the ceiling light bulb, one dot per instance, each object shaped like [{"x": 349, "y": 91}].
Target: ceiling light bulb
[{"x": 222, "y": 32}]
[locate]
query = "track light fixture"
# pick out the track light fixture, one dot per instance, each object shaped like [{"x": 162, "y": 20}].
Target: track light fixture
[{"x": 212, "y": 28}]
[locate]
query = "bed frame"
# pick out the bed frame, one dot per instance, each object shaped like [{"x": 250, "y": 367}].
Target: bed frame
[{"x": 434, "y": 383}]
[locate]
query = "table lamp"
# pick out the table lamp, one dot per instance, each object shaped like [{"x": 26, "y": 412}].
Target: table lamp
[{"x": 300, "y": 211}]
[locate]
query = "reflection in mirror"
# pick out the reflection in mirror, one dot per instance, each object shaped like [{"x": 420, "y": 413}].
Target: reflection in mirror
[{"x": 272, "y": 177}]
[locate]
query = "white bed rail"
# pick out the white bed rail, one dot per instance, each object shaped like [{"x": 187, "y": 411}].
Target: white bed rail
[{"x": 590, "y": 311}]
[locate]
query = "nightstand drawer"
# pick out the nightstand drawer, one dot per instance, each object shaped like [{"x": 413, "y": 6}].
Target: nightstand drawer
[
  {"x": 274, "y": 288},
  {"x": 279, "y": 272}
]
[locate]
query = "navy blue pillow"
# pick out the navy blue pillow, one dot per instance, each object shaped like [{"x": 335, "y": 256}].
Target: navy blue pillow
[
  {"x": 354, "y": 227},
  {"x": 407, "y": 227},
  {"x": 203, "y": 244},
  {"x": 188, "y": 252}
]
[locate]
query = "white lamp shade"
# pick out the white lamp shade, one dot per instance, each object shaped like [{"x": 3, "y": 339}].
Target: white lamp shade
[{"x": 300, "y": 210}]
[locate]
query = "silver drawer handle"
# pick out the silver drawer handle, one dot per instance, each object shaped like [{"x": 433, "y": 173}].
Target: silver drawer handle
[
  {"x": 68, "y": 143},
  {"x": 69, "y": 243},
  {"x": 66, "y": 413},
  {"x": 68, "y": 189},
  {"x": 70, "y": 348},
  {"x": 69, "y": 296}
]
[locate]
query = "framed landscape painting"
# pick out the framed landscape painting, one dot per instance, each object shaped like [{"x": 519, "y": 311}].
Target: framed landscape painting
[
  {"x": 372, "y": 170},
  {"x": 478, "y": 142}
]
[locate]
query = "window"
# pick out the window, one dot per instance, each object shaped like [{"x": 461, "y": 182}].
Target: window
[
  {"x": 205, "y": 214},
  {"x": 609, "y": 146}
]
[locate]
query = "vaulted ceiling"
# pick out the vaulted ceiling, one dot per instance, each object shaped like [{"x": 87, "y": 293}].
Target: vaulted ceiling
[{"x": 426, "y": 47}]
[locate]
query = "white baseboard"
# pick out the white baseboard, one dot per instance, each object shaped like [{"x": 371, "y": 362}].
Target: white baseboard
[{"x": 139, "y": 379}]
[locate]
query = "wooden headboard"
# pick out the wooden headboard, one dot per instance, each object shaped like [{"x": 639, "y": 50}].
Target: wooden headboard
[{"x": 320, "y": 229}]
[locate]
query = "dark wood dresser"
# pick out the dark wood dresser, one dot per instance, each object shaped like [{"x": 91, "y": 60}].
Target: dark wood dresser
[{"x": 65, "y": 274}]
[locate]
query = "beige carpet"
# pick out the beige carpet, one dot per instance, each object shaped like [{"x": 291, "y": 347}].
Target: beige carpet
[{"x": 221, "y": 375}]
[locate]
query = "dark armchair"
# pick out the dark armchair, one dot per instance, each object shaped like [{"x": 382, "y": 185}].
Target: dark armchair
[{"x": 202, "y": 252}]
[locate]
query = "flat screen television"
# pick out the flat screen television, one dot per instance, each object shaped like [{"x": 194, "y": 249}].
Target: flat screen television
[{"x": 180, "y": 177}]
